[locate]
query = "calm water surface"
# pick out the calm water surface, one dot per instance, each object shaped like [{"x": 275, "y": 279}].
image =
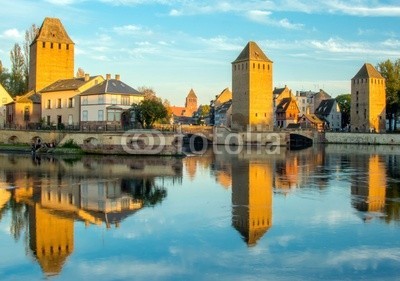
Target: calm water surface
[{"x": 325, "y": 213}]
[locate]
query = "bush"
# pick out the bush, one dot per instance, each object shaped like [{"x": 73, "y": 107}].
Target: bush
[{"x": 70, "y": 144}]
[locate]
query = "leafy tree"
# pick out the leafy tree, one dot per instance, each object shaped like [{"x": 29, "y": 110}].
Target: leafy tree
[
  {"x": 391, "y": 72},
  {"x": 148, "y": 111},
  {"x": 4, "y": 77},
  {"x": 344, "y": 102},
  {"x": 17, "y": 77}
]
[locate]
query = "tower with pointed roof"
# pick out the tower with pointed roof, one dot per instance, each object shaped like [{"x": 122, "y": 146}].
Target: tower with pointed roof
[
  {"x": 51, "y": 55},
  {"x": 252, "y": 99},
  {"x": 191, "y": 102},
  {"x": 368, "y": 101}
]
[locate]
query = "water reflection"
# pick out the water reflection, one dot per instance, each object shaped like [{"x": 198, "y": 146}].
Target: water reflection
[
  {"x": 252, "y": 196},
  {"x": 46, "y": 198},
  {"x": 46, "y": 195}
]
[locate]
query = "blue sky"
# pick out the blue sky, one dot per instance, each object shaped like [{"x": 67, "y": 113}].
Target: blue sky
[{"x": 175, "y": 45}]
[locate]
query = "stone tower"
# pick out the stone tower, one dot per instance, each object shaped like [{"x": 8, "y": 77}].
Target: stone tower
[
  {"x": 368, "y": 101},
  {"x": 252, "y": 98},
  {"x": 51, "y": 55},
  {"x": 191, "y": 101}
]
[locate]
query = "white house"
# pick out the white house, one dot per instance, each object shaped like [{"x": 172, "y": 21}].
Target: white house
[{"x": 103, "y": 104}]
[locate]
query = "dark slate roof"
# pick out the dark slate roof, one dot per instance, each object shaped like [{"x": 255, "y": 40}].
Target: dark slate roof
[
  {"x": 283, "y": 105},
  {"x": 52, "y": 30},
  {"x": 325, "y": 107},
  {"x": 252, "y": 52},
  {"x": 367, "y": 71},
  {"x": 223, "y": 108},
  {"x": 278, "y": 91},
  {"x": 66, "y": 84},
  {"x": 111, "y": 86}
]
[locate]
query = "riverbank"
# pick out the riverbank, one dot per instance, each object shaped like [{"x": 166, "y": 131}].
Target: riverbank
[{"x": 361, "y": 138}]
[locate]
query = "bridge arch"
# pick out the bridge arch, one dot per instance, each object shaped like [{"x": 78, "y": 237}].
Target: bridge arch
[
  {"x": 91, "y": 141},
  {"x": 299, "y": 141},
  {"x": 13, "y": 140}
]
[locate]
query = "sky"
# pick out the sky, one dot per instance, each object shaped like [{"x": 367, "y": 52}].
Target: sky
[{"x": 173, "y": 46}]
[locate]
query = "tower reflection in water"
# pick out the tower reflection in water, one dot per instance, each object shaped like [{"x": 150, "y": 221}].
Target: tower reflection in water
[
  {"x": 56, "y": 193},
  {"x": 252, "y": 180},
  {"x": 369, "y": 191}
]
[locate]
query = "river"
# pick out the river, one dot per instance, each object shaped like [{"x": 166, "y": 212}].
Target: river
[{"x": 324, "y": 213}]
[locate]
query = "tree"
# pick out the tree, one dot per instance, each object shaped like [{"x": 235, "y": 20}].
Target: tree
[
  {"x": 4, "y": 77},
  {"x": 149, "y": 93},
  {"x": 391, "y": 72},
  {"x": 148, "y": 111},
  {"x": 17, "y": 77},
  {"x": 30, "y": 35},
  {"x": 344, "y": 102},
  {"x": 80, "y": 73}
]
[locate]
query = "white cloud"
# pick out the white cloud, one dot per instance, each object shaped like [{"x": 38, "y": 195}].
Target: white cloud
[
  {"x": 354, "y": 8},
  {"x": 131, "y": 30},
  {"x": 12, "y": 33},
  {"x": 264, "y": 18},
  {"x": 339, "y": 46},
  {"x": 62, "y": 2}
]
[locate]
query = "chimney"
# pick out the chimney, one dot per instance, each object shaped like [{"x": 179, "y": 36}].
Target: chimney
[
  {"x": 86, "y": 77},
  {"x": 117, "y": 77},
  {"x": 108, "y": 76}
]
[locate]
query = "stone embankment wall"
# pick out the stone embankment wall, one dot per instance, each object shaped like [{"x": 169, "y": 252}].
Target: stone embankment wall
[{"x": 362, "y": 138}]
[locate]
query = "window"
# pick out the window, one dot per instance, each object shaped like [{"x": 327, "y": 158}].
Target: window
[
  {"x": 70, "y": 102},
  {"x": 100, "y": 115},
  {"x": 67, "y": 46},
  {"x": 125, "y": 100},
  {"x": 101, "y": 99},
  {"x": 48, "y": 120},
  {"x": 59, "y": 46},
  {"x": 58, "y": 103},
  {"x": 51, "y": 45},
  {"x": 84, "y": 100},
  {"x": 48, "y": 104},
  {"x": 113, "y": 115},
  {"x": 84, "y": 115},
  {"x": 44, "y": 44},
  {"x": 101, "y": 189},
  {"x": 70, "y": 119},
  {"x": 113, "y": 99},
  {"x": 26, "y": 113}
]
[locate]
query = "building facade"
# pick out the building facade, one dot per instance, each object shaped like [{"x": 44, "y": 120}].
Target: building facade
[
  {"x": 368, "y": 101},
  {"x": 329, "y": 111},
  {"x": 24, "y": 111},
  {"x": 252, "y": 99},
  {"x": 287, "y": 112},
  {"x": 105, "y": 103},
  {"x": 60, "y": 101},
  {"x": 51, "y": 55},
  {"x": 5, "y": 98}
]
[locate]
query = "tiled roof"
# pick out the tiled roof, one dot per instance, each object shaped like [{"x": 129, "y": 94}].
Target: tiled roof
[
  {"x": 252, "y": 52},
  {"x": 52, "y": 30},
  {"x": 66, "y": 84},
  {"x": 313, "y": 118},
  {"x": 191, "y": 94},
  {"x": 367, "y": 71},
  {"x": 111, "y": 86}
]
